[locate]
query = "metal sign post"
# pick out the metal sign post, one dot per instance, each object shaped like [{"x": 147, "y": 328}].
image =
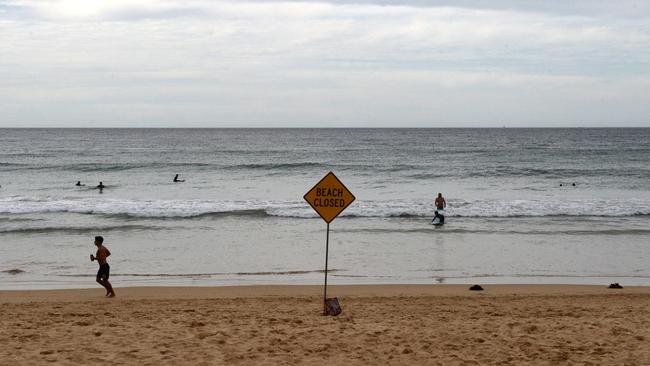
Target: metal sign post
[
  {"x": 329, "y": 197},
  {"x": 327, "y": 251}
]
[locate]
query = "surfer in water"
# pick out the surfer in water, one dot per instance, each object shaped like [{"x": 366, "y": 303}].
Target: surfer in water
[
  {"x": 440, "y": 202},
  {"x": 79, "y": 184},
  {"x": 101, "y": 187},
  {"x": 440, "y": 205},
  {"x": 176, "y": 180},
  {"x": 441, "y": 218}
]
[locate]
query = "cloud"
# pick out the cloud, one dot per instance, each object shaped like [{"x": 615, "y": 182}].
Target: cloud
[
  {"x": 302, "y": 63},
  {"x": 172, "y": 8}
]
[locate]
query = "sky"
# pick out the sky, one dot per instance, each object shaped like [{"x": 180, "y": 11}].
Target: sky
[{"x": 336, "y": 63}]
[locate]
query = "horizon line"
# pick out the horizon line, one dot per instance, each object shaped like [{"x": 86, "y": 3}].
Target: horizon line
[{"x": 315, "y": 128}]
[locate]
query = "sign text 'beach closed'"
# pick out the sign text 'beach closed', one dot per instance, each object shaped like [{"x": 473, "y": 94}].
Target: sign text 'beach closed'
[{"x": 329, "y": 197}]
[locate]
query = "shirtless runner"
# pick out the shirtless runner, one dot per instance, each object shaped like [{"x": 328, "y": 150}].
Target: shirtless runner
[{"x": 104, "y": 268}]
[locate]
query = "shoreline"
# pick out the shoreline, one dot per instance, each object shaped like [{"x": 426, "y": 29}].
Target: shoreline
[{"x": 354, "y": 291}]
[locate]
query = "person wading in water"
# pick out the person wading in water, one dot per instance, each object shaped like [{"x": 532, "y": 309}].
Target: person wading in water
[{"x": 440, "y": 202}]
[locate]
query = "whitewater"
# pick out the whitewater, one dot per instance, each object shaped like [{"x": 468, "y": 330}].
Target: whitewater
[{"x": 297, "y": 208}]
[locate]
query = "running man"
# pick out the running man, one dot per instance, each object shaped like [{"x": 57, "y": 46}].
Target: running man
[
  {"x": 440, "y": 202},
  {"x": 104, "y": 268}
]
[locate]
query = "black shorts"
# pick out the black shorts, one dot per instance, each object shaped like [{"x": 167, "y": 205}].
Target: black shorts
[{"x": 104, "y": 271}]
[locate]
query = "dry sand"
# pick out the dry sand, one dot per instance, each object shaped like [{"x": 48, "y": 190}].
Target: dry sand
[{"x": 276, "y": 325}]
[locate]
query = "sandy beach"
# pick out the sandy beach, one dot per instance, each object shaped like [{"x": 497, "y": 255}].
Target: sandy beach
[{"x": 277, "y": 325}]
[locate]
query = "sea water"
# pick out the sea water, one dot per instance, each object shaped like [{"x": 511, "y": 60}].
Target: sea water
[{"x": 523, "y": 206}]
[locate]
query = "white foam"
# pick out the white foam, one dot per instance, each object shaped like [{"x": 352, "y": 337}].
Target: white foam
[{"x": 300, "y": 209}]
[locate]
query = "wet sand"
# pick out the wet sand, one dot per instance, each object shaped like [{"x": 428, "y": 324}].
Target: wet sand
[{"x": 276, "y": 325}]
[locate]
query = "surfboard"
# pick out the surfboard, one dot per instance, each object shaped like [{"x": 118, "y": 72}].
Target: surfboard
[{"x": 436, "y": 220}]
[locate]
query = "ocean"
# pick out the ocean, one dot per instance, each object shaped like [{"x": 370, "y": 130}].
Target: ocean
[{"x": 524, "y": 206}]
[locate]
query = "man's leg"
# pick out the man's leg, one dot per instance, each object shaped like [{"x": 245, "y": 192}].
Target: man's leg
[
  {"x": 101, "y": 281},
  {"x": 109, "y": 288}
]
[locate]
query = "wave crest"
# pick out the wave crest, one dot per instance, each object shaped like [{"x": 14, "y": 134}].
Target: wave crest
[{"x": 128, "y": 208}]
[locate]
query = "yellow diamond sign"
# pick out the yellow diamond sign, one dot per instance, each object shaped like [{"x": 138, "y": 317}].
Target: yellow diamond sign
[{"x": 329, "y": 197}]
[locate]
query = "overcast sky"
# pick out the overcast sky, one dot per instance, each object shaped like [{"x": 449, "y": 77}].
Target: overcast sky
[{"x": 194, "y": 63}]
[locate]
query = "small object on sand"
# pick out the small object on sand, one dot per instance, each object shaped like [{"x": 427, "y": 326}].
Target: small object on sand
[
  {"x": 615, "y": 285},
  {"x": 476, "y": 288},
  {"x": 332, "y": 307}
]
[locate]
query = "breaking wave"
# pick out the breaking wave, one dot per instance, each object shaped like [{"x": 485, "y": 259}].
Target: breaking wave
[{"x": 127, "y": 208}]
